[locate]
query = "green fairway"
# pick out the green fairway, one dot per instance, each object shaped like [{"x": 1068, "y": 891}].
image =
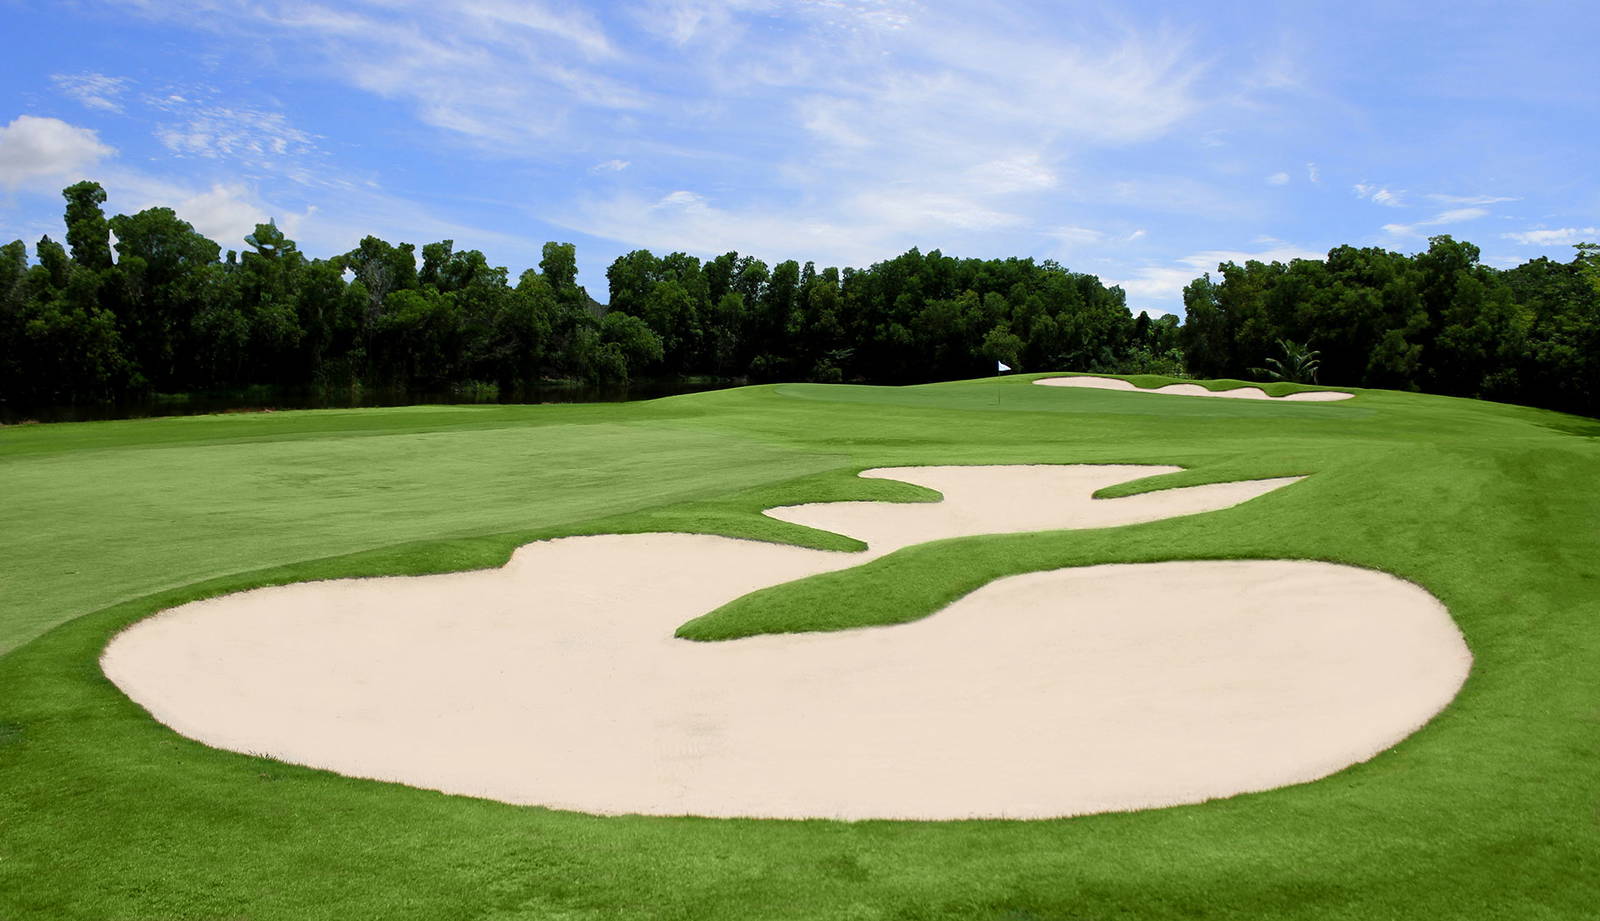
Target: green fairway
[{"x": 1490, "y": 811}]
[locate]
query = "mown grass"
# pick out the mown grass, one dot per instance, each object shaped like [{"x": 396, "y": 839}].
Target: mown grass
[{"x": 1491, "y": 811}]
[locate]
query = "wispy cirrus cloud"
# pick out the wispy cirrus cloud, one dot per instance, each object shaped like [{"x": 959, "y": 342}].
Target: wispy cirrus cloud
[
  {"x": 917, "y": 126},
  {"x": 1468, "y": 208},
  {"x": 1442, "y": 219},
  {"x": 1560, "y": 236},
  {"x": 250, "y": 136},
  {"x": 1122, "y": 140},
  {"x": 1379, "y": 195},
  {"x": 1471, "y": 199},
  {"x": 886, "y": 118},
  {"x": 38, "y": 155},
  {"x": 94, "y": 90},
  {"x": 497, "y": 74}
]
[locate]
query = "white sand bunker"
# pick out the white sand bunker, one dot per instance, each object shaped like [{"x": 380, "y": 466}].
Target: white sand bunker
[
  {"x": 1195, "y": 390},
  {"x": 556, "y": 680}
]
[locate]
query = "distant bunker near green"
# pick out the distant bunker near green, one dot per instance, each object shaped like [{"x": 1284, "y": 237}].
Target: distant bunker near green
[
  {"x": 557, "y": 680},
  {"x": 1193, "y": 390}
]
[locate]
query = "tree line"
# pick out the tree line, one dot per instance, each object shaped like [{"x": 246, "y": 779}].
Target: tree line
[
  {"x": 142, "y": 303},
  {"x": 1439, "y": 321}
]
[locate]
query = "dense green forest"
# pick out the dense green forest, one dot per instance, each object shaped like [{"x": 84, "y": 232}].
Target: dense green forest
[
  {"x": 1438, "y": 321},
  {"x": 142, "y": 303}
]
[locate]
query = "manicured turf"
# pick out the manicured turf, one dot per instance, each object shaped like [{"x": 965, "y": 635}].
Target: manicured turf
[{"x": 1492, "y": 811}]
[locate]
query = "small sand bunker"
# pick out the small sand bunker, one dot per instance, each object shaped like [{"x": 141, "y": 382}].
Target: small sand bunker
[
  {"x": 556, "y": 680},
  {"x": 1195, "y": 390}
]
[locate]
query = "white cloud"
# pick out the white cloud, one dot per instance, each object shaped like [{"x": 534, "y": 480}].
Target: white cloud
[
  {"x": 495, "y": 73},
  {"x": 255, "y": 137},
  {"x": 224, "y": 213},
  {"x": 572, "y": 25},
  {"x": 874, "y": 228},
  {"x": 1076, "y": 235},
  {"x": 1377, "y": 195},
  {"x": 1156, "y": 283},
  {"x": 987, "y": 93},
  {"x": 928, "y": 210},
  {"x": 897, "y": 125},
  {"x": 969, "y": 106},
  {"x": 687, "y": 221},
  {"x": 46, "y": 152},
  {"x": 1443, "y": 218},
  {"x": 1165, "y": 283},
  {"x": 1020, "y": 173},
  {"x": 42, "y": 150},
  {"x": 96, "y": 91},
  {"x": 834, "y": 122},
  {"x": 1456, "y": 216},
  {"x": 1154, "y": 192},
  {"x": 1564, "y": 236},
  {"x": 1278, "y": 178},
  {"x": 1208, "y": 260},
  {"x": 1472, "y": 208},
  {"x": 684, "y": 21},
  {"x": 1313, "y": 174},
  {"x": 682, "y": 198},
  {"x": 838, "y": 130},
  {"x": 1471, "y": 199}
]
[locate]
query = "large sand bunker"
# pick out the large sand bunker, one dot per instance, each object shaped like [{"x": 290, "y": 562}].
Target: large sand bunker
[
  {"x": 1194, "y": 390},
  {"x": 556, "y": 680}
]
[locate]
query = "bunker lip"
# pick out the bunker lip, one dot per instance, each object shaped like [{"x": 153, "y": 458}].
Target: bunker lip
[
  {"x": 1194, "y": 390},
  {"x": 556, "y": 680}
]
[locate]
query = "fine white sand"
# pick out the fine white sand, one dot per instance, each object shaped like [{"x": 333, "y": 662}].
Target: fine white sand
[
  {"x": 1194, "y": 390},
  {"x": 556, "y": 679}
]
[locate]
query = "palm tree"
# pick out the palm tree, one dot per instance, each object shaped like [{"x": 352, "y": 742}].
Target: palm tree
[{"x": 1299, "y": 364}]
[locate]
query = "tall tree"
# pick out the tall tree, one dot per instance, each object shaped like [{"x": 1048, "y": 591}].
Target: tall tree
[
  {"x": 559, "y": 266},
  {"x": 381, "y": 268},
  {"x": 88, "y": 233},
  {"x": 162, "y": 262}
]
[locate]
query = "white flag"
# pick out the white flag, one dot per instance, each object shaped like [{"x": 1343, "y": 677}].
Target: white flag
[{"x": 1003, "y": 367}]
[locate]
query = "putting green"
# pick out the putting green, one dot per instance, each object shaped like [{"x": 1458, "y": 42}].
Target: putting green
[{"x": 1488, "y": 811}]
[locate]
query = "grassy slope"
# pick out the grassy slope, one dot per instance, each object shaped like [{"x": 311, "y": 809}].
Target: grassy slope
[{"x": 1491, "y": 811}]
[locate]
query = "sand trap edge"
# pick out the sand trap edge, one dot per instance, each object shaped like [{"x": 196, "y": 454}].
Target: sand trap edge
[{"x": 1246, "y": 392}]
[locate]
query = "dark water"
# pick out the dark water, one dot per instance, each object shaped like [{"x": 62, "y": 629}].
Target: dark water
[{"x": 260, "y": 398}]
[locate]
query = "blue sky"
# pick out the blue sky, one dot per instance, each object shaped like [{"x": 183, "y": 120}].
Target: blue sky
[{"x": 1141, "y": 142}]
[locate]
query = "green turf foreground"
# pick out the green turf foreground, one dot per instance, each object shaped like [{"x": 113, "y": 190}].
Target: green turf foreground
[{"x": 1491, "y": 811}]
